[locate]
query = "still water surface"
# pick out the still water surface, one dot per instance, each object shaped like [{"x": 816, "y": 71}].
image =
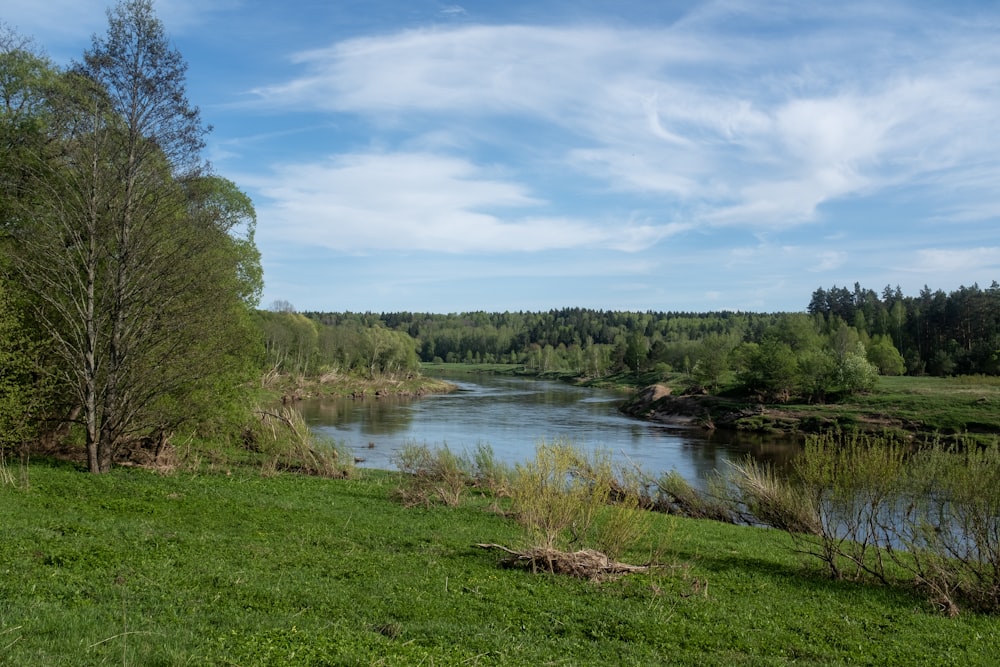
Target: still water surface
[{"x": 513, "y": 415}]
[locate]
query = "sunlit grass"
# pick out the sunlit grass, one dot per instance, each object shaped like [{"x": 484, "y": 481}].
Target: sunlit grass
[{"x": 138, "y": 568}]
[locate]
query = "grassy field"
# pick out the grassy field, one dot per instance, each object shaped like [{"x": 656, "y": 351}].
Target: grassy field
[{"x": 135, "y": 568}]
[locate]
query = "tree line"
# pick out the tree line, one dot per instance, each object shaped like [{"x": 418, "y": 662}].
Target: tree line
[
  {"x": 937, "y": 333},
  {"x": 841, "y": 343}
]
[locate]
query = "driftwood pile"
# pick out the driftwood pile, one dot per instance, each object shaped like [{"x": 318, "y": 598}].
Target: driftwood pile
[{"x": 585, "y": 564}]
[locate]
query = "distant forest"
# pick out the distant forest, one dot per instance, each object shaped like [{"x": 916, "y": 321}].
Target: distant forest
[{"x": 933, "y": 333}]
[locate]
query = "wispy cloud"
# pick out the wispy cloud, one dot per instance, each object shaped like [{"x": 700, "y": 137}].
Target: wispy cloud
[
  {"x": 717, "y": 151},
  {"x": 787, "y": 122},
  {"x": 957, "y": 261}
]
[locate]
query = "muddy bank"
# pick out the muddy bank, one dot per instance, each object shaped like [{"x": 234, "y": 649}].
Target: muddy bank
[
  {"x": 657, "y": 403},
  {"x": 291, "y": 390}
]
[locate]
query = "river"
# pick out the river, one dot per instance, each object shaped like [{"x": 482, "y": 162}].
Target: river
[{"x": 513, "y": 415}]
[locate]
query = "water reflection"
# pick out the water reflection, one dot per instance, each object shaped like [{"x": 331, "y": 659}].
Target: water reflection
[{"x": 513, "y": 414}]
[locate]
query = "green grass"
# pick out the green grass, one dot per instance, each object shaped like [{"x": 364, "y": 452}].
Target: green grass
[
  {"x": 927, "y": 406},
  {"x": 949, "y": 405},
  {"x": 141, "y": 569}
]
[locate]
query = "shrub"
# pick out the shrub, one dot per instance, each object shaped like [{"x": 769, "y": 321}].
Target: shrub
[
  {"x": 860, "y": 503},
  {"x": 563, "y": 498},
  {"x": 951, "y": 525},
  {"x": 852, "y": 484},
  {"x": 432, "y": 476}
]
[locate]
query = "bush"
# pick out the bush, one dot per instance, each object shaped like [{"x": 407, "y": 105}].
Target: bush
[
  {"x": 951, "y": 525},
  {"x": 563, "y": 498},
  {"x": 432, "y": 476},
  {"x": 862, "y": 503},
  {"x": 853, "y": 485}
]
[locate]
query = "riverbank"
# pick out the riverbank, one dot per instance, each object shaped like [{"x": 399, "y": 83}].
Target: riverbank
[
  {"x": 134, "y": 567},
  {"x": 922, "y": 408},
  {"x": 289, "y": 389}
]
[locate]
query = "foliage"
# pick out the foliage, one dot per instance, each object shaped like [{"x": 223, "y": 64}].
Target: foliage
[
  {"x": 140, "y": 265},
  {"x": 711, "y": 360},
  {"x": 855, "y": 373},
  {"x": 23, "y": 391},
  {"x": 851, "y": 484},
  {"x": 933, "y": 332},
  {"x": 298, "y": 345},
  {"x": 952, "y": 525},
  {"x": 885, "y": 356},
  {"x": 936, "y": 332}
]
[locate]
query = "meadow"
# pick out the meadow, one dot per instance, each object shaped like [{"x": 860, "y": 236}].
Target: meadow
[{"x": 235, "y": 567}]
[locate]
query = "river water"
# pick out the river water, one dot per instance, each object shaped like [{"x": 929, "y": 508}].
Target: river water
[{"x": 513, "y": 415}]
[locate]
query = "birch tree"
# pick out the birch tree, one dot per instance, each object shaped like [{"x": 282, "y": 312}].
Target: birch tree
[{"x": 143, "y": 262}]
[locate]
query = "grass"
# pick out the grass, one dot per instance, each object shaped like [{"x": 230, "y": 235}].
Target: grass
[
  {"x": 948, "y": 405},
  {"x": 136, "y": 568}
]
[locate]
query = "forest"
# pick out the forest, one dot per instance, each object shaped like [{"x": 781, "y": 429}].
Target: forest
[{"x": 841, "y": 342}]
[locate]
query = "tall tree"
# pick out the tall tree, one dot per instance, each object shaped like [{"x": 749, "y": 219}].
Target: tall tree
[{"x": 144, "y": 280}]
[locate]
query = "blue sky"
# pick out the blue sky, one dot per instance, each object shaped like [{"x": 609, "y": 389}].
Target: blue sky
[{"x": 685, "y": 156}]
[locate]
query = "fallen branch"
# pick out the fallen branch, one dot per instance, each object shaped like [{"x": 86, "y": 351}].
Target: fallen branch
[{"x": 587, "y": 563}]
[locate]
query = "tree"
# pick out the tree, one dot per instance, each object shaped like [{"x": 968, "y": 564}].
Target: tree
[
  {"x": 885, "y": 356},
  {"x": 144, "y": 265},
  {"x": 855, "y": 373},
  {"x": 25, "y": 77},
  {"x": 769, "y": 368},
  {"x": 636, "y": 351},
  {"x": 712, "y": 360}
]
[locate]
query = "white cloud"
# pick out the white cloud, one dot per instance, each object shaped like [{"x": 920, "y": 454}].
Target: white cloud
[
  {"x": 827, "y": 261},
  {"x": 957, "y": 261},
  {"x": 422, "y": 201}
]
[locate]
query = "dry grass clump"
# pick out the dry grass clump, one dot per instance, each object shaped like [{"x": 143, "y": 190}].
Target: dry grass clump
[
  {"x": 675, "y": 495},
  {"x": 287, "y": 444},
  {"x": 441, "y": 476},
  {"x": 770, "y": 500}
]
